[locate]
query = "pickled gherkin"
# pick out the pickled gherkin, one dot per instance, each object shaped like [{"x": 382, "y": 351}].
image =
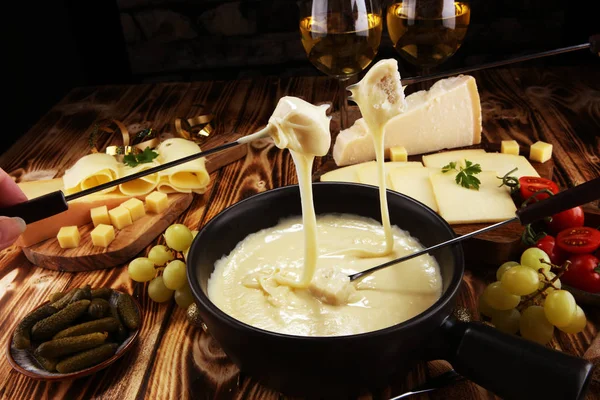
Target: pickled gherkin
[
  {"x": 64, "y": 301},
  {"x": 22, "y": 336},
  {"x": 56, "y": 296},
  {"x": 58, "y": 348},
  {"x": 98, "y": 308},
  {"x": 49, "y": 364},
  {"x": 121, "y": 331},
  {"x": 108, "y": 324},
  {"x": 84, "y": 293},
  {"x": 103, "y": 293},
  {"x": 48, "y": 327},
  {"x": 87, "y": 358},
  {"x": 128, "y": 311}
]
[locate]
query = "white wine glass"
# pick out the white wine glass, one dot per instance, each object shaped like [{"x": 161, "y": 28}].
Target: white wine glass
[
  {"x": 341, "y": 38},
  {"x": 428, "y": 32}
]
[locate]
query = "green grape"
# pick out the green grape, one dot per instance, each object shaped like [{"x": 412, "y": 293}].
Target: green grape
[
  {"x": 520, "y": 280},
  {"x": 178, "y": 237},
  {"x": 507, "y": 321},
  {"x": 485, "y": 308},
  {"x": 141, "y": 269},
  {"x": 560, "y": 308},
  {"x": 157, "y": 290},
  {"x": 577, "y": 324},
  {"x": 531, "y": 258},
  {"x": 505, "y": 267},
  {"x": 183, "y": 296},
  {"x": 160, "y": 255},
  {"x": 174, "y": 275},
  {"x": 498, "y": 298},
  {"x": 535, "y": 326},
  {"x": 549, "y": 276},
  {"x": 185, "y": 253}
]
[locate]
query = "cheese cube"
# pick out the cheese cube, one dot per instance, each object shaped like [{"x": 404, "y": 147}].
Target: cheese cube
[
  {"x": 540, "y": 151},
  {"x": 509, "y": 147},
  {"x": 68, "y": 237},
  {"x": 136, "y": 208},
  {"x": 120, "y": 217},
  {"x": 100, "y": 215},
  {"x": 102, "y": 235},
  {"x": 157, "y": 202},
  {"x": 398, "y": 153}
]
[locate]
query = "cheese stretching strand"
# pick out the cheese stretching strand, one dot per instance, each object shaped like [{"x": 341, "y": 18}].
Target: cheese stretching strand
[{"x": 380, "y": 96}]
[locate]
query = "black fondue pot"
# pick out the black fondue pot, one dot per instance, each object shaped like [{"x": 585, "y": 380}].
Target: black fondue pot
[{"x": 328, "y": 367}]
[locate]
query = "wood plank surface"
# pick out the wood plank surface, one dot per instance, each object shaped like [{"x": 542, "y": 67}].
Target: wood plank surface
[{"x": 174, "y": 359}]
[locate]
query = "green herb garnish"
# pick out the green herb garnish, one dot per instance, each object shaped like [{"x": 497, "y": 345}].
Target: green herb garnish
[
  {"x": 466, "y": 176},
  {"x": 146, "y": 156}
]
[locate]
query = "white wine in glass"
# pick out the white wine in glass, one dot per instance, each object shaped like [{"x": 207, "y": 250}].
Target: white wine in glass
[
  {"x": 428, "y": 32},
  {"x": 341, "y": 38}
]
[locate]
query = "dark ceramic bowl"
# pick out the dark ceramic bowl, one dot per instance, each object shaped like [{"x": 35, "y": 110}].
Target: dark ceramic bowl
[{"x": 344, "y": 365}]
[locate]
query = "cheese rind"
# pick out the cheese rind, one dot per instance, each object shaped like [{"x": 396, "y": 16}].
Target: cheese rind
[
  {"x": 136, "y": 208},
  {"x": 120, "y": 217},
  {"x": 446, "y": 116},
  {"x": 414, "y": 182},
  {"x": 68, "y": 237},
  {"x": 398, "y": 153},
  {"x": 540, "y": 151},
  {"x": 509, "y": 147},
  {"x": 102, "y": 235},
  {"x": 459, "y": 205},
  {"x": 157, "y": 202},
  {"x": 100, "y": 215}
]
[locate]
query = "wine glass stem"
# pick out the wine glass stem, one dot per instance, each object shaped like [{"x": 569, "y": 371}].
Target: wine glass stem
[{"x": 343, "y": 104}]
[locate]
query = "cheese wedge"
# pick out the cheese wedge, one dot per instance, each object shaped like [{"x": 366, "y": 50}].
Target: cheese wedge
[
  {"x": 498, "y": 162},
  {"x": 367, "y": 173},
  {"x": 414, "y": 182},
  {"x": 78, "y": 213},
  {"x": 459, "y": 205},
  {"x": 446, "y": 116}
]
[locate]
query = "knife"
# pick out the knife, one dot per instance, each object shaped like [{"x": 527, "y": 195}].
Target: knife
[{"x": 56, "y": 202}]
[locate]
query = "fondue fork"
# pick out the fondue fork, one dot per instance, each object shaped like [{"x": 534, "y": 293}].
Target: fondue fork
[
  {"x": 440, "y": 381},
  {"x": 562, "y": 201}
]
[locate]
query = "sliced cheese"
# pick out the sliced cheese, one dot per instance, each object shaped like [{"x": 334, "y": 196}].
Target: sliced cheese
[
  {"x": 345, "y": 174},
  {"x": 78, "y": 213},
  {"x": 91, "y": 170},
  {"x": 157, "y": 202},
  {"x": 446, "y": 116},
  {"x": 498, "y": 162},
  {"x": 189, "y": 177},
  {"x": 540, "y": 151},
  {"x": 141, "y": 186},
  {"x": 102, "y": 235},
  {"x": 367, "y": 172},
  {"x": 415, "y": 183},
  {"x": 459, "y": 205},
  {"x": 68, "y": 237}
]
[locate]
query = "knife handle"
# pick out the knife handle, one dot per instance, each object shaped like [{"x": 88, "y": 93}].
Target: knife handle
[
  {"x": 39, "y": 208},
  {"x": 567, "y": 199}
]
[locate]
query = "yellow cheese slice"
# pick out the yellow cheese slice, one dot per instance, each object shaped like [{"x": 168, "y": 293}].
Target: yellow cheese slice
[
  {"x": 499, "y": 162},
  {"x": 447, "y": 116},
  {"x": 459, "y": 205},
  {"x": 367, "y": 172},
  {"x": 91, "y": 170},
  {"x": 345, "y": 174},
  {"x": 140, "y": 186},
  {"x": 438, "y": 160},
  {"x": 78, "y": 213},
  {"x": 415, "y": 183},
  {"x": 189, "y": 177}
]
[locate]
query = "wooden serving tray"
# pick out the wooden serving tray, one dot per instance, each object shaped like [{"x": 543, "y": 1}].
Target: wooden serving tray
[{"x": 127, "y": 244}]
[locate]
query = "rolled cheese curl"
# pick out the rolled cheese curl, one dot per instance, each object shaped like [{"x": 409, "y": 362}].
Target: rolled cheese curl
[
  {"x": 89, "y": 171},
  {"x": 140, "y": 186},
  {"x": 185, "y": 178},
  {"x": 301, "y": 127}
]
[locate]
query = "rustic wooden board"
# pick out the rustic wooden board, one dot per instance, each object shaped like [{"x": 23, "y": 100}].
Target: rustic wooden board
[
  {"x": 174, "y": 359},
  {"x": 128, "y": 242}
]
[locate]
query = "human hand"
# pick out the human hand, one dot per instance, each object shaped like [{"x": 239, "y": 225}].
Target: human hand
[{"x": 10, "y": 194}]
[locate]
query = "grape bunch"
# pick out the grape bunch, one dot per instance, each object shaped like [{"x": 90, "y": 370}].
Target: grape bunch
[
  {"x": 527, "y": 298},
  {"x": 173, "y": 280}
]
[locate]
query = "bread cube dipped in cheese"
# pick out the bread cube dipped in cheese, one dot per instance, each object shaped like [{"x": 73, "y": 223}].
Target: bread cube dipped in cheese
[{"x": 68, "y": 237}]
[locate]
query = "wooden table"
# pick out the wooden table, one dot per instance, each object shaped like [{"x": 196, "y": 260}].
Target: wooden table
[{"x": 174, "y": 359}]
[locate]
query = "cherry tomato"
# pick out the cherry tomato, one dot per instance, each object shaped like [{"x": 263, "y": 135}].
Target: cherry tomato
[
  {"x": 570, "y": 218},
  {"x": 579, "y": 240},
  {"x": 528, "y": 185},
  {"x": 583, "y": 273},
  {"x": 548, "y": 245}
]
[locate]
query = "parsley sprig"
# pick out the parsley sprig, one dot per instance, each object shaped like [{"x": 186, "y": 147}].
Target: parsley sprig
[
  {"x": 146, "y": 156},
  {"x": 466, "y": 176}
]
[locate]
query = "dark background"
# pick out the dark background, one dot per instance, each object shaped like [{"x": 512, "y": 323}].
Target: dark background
[{"x": 53, "y": 46}]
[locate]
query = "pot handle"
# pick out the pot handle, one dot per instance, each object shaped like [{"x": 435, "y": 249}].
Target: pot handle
[{"x": 512, "y": 367}]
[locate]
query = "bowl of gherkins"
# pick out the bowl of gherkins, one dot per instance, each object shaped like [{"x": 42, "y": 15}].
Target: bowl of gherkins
[{"x": 74, "y": 334}]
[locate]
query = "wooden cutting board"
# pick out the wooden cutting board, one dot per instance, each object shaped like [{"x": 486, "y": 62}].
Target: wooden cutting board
[{"x": 128, "y": 242}]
